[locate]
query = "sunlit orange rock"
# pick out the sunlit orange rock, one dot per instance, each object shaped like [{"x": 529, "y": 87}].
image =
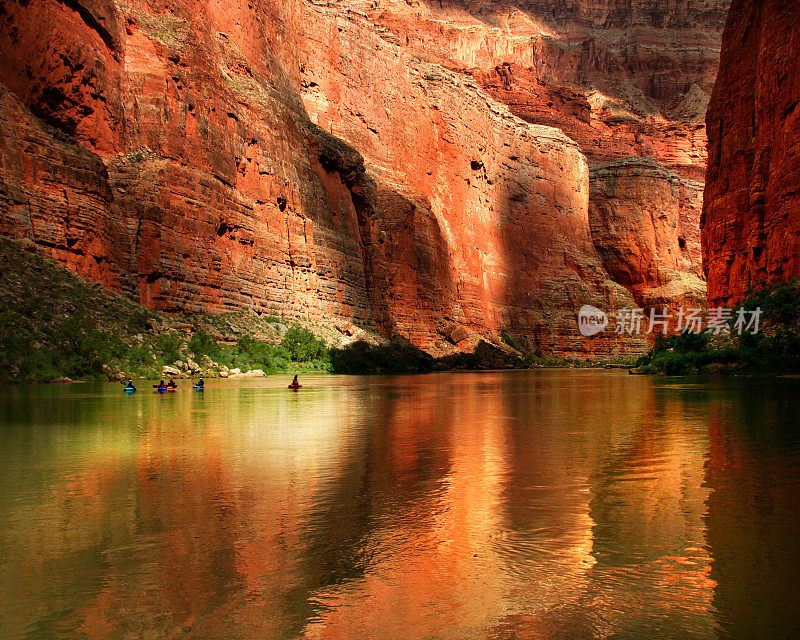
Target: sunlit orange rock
[
  {"x": 751, "y": 226},
  {"x": 623, "y": 80},
  {"x": 358, "y": 162},
  {"x": 644, "y": 224},
  {"x": 55, "y": 193},
  {"x": 63, "y": 59}
]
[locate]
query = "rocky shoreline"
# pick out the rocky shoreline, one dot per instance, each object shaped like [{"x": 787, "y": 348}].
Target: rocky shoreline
[{"x": 58, "y": 326}]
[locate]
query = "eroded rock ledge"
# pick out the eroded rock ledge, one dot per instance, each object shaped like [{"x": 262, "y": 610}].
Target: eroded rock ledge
[{"x": 308, "y": 159}]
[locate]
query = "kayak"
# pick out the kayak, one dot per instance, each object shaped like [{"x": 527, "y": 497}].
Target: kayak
[
  {"x": 130, "y": 389},
  {"x": 162, "y": 389},
  {"x": 295, "y": 386},
  {"x": 197, "y": 388}
]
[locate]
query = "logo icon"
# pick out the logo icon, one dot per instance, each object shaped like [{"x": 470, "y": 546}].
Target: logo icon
[{"x": 591, "y": 320}]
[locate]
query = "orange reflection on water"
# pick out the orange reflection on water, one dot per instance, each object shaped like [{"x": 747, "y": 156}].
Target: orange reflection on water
[
  {"x": 550, "y": 504},
  {"x": 435, "y": 552}
]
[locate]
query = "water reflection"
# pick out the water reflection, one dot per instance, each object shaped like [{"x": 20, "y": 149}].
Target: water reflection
[
  {"x": 550, "y": 504},
  {"x": 753, "y": 466}
]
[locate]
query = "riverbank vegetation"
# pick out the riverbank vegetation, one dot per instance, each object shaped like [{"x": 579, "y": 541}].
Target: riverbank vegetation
[
  {"x": 774, "y": 349},
  {"x": 400, "y": 356},
  {"x": 55, "y": 325}
]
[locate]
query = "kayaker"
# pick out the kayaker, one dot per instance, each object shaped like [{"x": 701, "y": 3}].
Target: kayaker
[
  {"x": 200, "y": 383},
  {"x": 172, "y": 384},
  {"x": 295, "y": 383},
  {"x": 130, "y": 385}
]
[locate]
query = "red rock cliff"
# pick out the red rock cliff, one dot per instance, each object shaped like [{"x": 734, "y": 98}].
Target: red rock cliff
[
  {"x": 329, "y": 162},
  {"x": 751, "y": 218},
  {"x": 623, "y": 79}
]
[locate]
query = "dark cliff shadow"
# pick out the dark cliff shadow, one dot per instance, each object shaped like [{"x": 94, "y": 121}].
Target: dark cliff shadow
[{"x": 407, "y": 275}]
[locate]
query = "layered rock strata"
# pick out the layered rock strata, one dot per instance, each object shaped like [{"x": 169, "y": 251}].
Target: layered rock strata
[
  {"x": 751, "y": 217},
  {"x": 311, "y": 160},
  {"x": 624, "y": 80}
]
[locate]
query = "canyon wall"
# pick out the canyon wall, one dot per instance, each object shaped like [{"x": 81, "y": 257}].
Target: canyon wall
[
  {"x": 625, "y": 80},
  {"x": 441, "y": 173},
  {"x": 751, "y": 219}
]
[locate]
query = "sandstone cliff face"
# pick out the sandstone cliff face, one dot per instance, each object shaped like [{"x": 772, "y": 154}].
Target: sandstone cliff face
[
  {"x": 751, "y": 225},
  {"x": 624, "y": 80},
  {"x": 327, "y": 161},
  {"x": 644, "y": 223},
  {"x": 56, "y": 194},
  {"x": 63, "y": 59},
  {"x": 504, "y": 203}
]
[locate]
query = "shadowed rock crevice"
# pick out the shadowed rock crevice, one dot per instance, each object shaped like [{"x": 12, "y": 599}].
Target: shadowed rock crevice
[
  {"x": 326, "y": 163},
  {"x": 96, "y": 22}
]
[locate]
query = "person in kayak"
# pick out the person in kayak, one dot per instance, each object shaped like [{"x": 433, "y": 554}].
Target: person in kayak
[
  {"x": 172, "y": 384},
  {"x": 200, "y": 384},
  {"x": 130, "y": 385},
  {"x": 295, "y": 384}
]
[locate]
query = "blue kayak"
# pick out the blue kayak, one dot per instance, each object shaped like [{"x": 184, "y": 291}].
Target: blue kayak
[
  {"x": 161, "y": 389},
  {"x": 130, "y": 389},
  {"x": 196, "y": 388}
]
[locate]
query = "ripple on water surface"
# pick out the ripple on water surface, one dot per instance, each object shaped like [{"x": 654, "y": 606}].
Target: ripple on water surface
[{"x": 544, "y": 504}]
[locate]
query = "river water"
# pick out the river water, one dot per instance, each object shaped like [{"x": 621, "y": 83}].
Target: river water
[{"x": 551, "y": 504}]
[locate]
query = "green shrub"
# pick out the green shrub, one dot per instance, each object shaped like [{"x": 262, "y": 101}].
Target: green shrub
[
  {"x": 137, "y": 320},
  {"x": 684, "y": 342},
  {"x": 302, "y": 345},
  {"x": 40, "y": 364},
  {"x": 775, "y": 348},
  {"x": 202, "y": 344},
  {"x": 397, "y": 356},
  {"x": 79, "y": 348},
  {"x": 779, "y": 303},
  {"x": 252, "y": 353},
  {"x": 140, "y": 358},
  {"x": 167, "y": 346}
]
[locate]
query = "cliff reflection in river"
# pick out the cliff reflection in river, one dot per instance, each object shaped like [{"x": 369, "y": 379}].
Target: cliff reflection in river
[{"x": 554, "y": 504}]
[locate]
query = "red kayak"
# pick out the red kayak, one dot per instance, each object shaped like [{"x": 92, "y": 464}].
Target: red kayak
[{"x": 295, "y": 386}]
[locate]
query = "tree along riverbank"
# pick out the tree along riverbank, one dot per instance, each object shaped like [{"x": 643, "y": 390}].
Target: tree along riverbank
[{"x": 774, "y": 349}]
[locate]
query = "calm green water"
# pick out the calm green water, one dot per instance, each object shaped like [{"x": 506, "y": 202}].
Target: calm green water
[{"x": 526, "y": 505}]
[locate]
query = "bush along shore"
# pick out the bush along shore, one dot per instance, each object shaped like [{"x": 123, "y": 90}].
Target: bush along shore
[
  {"x": 57, "y": 326},
  {"x": 774, "y": 349}
]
